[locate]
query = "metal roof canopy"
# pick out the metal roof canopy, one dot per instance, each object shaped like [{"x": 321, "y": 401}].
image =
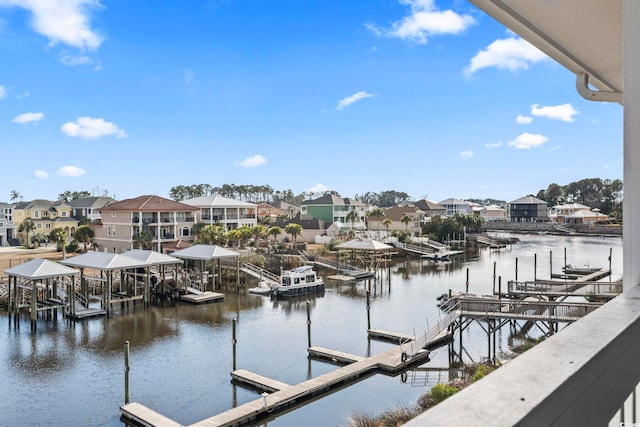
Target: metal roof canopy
[
  {"x": 364, "y": 245},
  {"x": 104, "y": 261},
  {"x": 205, "y": 252},
  {"x": 40, "y": 268},
  {"x": 152, "y": 257},
  {"x": 583, "y": 36}
]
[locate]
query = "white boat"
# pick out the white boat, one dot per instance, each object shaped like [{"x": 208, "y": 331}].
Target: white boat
[
  {"x": 299, "y": 281},
  {"x": 263, "y": 288}
]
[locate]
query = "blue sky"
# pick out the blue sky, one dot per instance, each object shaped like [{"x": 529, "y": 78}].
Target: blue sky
[{"x": 432, "y": 98}]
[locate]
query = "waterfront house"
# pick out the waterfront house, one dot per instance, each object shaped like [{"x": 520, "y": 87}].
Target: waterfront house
[
  {"x": 232, "y": 214},
  {"x": 166, "y": 221},
  {"x": 87, "y": 209},
  {"x": 430, "y": 208},
  {"x": 492, "y": 213},
  {"x": 528, "y": 209},
  {"x": 46, "y": 216},
  {"x": 454, "y": 206},
  {"x": 7, "y": 227},
  {"x": 311, "y": 227},
  {"x": 395, "y": 214},
  {"x": 331, "y": 208},
  {"x": 576, "y": 213}
]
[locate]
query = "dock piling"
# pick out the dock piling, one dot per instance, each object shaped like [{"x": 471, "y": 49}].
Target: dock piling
[
  {"x": 126, "y": 372},
  {"x": 308, "y": 324},
  {"x": 368, "y": 310},
  {"x": 233, "y": 341},
  {"x": 467, "y": 282}
]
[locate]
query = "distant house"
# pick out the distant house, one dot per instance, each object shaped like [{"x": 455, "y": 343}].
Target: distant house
[
  {"x": 456, "y": 206},
  {"x": 87, "y": 209},
  {"x": 7, "y": 227},
  {"x": 493, "y": 213},
  {"x": 286, "y": 208},
  {"x": 265, "y": 210},
  {"x": 46, "y": 216},
  {"x": 430, "y": 208},
  {"x": 311, "y": 227},
  {"x": 576, "y": 213},
  {"x": 331, "y": 208},
  {"x": 395, "y": 214},
  {"x": 222, "y": 210},
  {"x": 167, "y": 221},
  {"x": 528, "y": 209}
]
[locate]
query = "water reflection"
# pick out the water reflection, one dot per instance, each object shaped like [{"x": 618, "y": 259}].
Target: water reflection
[{"x": 181, "y": 354}]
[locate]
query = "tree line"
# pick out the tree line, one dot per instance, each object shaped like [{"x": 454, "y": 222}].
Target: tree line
[{"x": 603, "y": 194}]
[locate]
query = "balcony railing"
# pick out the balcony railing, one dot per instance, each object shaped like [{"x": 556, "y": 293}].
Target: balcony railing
[{"x": 582, "y": 376}]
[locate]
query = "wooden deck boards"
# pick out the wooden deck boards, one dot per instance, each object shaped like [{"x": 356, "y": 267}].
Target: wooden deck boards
[
  {"x": 146, "y": 417},
  {"x": 394, "y": 337},
  {"x": 257, "y": 381},
  {"x": 202, "y": 298}
]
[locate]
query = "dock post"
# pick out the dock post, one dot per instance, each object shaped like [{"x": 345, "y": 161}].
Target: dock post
[
  {"x": 610, "y": 255},
  {"x": 516, "y": 269},
  {"x": 535, "y": 267},
  {"x": 126, "y": 372},
  {"x": 368, "y": 309},
  {"x": 467, "y": 282},
  {"x": 565, "y": 257},
  {"x": 494, "y": 277},
  {"x": 34, "y": 306},
  {"x": 233, "y": 341},
  {"x": 308, "y": 324},
  {"x": 500, "y": 287},
  {"x": 550, "y": 264}
]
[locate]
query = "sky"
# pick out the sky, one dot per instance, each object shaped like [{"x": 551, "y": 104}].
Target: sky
[{"x": 432, "y": 98}]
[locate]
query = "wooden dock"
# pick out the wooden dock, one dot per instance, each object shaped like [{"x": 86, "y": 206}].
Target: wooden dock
[
  {"x": 389, "y": 336},
  {"x": 285, "y": 397},
  {"x": 200, "y": 297}
]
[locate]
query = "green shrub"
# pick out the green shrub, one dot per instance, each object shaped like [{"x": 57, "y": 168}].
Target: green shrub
[
  {"x": 481, "y": 371},
  {"x": 440, "y": 392}
]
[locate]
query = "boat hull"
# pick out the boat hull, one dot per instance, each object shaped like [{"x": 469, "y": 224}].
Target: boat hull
[{"x": 291, "y": 291}]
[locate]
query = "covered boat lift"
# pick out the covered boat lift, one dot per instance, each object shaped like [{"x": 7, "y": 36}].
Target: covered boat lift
[
  {"x": 210, "y": 253},
  {"x": 43, "y": 277}
]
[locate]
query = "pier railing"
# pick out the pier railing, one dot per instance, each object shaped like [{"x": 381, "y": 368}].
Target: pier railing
[
  {"x": 582, "y": 375},
  {"x": 433, "y": 330},
  {"x": 566, "y": 288}
]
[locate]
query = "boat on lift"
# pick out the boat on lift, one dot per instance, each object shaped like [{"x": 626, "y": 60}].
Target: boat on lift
[{"x": 299, "y": 281}]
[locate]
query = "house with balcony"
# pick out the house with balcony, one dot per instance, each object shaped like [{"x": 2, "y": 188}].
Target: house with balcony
[
  {"x": 528, "y": 209},
  {"x": 454, "y": 206},
  {"x": 87, "y": 209},
  {"x": 7, "y": 227},
  {"x": 230, "y": 213},
  {"x": 331, "y": 208},
  {"x": 492, "y": 213},
  {"x": 395, "y": 214},
  {"x": 165, "y": 220},
  {"x": 46, "y": 216}
]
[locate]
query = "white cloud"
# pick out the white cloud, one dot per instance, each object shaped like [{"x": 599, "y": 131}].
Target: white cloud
[
  {"x": 318, "y": 189},
  {"x": 72, "y": 60},
  {"x": 253, "y": 161},
  {"x": 70, "y": 171},
  {"x": 91, "y": 128},
  {"x": 466, "y": 154},
  {"x": 523, "y": 120},
  {"x": 423, "y": 21},
  {"x": 564, "y": 112},
  {"x": 493, "y": 144},
  {"x": 62, "y": 21},
  {"x": 527, "y": 140},
  {"x": 513, "y": 53},
  {"x": 345, "y": 102},
  {"x": 3, "y": 92},
  {"x": 28, "y": 118},
  {"x": 40, "y": 174}
]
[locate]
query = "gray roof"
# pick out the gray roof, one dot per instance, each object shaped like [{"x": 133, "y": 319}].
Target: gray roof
[
  {"x": 364, "y": 245},
  {"x": 91, "y": 202},
  {"x": 204, "y": 252},
  {"x": 104, "y": 261},
  {"x": 528, "y": 200},
  {"x": 40, "y": 268},
  {"x": 152, "y": 257}
]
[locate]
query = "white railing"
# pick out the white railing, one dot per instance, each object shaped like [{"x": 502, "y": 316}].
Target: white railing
[
  {"x": 431, "y": 331},
  {"x": 580, "y": 376}
]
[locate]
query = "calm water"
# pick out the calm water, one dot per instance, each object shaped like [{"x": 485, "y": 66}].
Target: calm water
[{"x": 181, "y": 356}]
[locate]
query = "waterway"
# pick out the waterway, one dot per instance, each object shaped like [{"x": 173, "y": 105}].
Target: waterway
[{"x": 72, "y": 374}]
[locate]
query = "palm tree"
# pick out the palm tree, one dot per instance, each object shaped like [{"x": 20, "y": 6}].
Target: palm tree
[
  {"x": 406, "y": 218},
  {"x": 14, "y": 196},
  {"x": 142, "y": 240},
  {"x": 274, "y": 231},
  {"x": 293, "y": 229},
  {"x": 38, "y": 238},
  {"x": 27, "y": 227},
  {"x": 245, "y": 233},
  {"x": 376, "y": 213},
  {"x": 84, "y": 234},
  {"x": 59, "y": 236},
  {"x": 387, "y": 223},
  {"x": 258, "y": 232}
]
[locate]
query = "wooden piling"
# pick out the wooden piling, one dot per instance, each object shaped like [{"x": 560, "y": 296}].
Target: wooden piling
[
  {"x": 467, "y": 282},
  {"x": 516, "y": 269},
  {"x": 233, "y": 341},
  {"x": 126, "y": 372},
  {"x": 308, "y": 324},
  {"x": 368, "y": 310},
  {"x": 535, "y": 266},
  {"x": 550, "y": 264}
]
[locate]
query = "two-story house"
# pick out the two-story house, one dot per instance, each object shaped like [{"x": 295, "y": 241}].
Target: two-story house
[
  {"x": 46, "y": 216},
  {"x": 122, "y": 222},
  {"x": 87, "y": 209},
  {"x": 331, "y": 208},
  {"x": 222, "y": 210},
  {"x": 454, "y": 206},
  {"x": 528, "y": 209},
  {"x": 7, "y": 227}
]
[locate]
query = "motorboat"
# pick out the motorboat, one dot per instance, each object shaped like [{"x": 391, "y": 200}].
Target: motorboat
[{"x": 299, "y": 281}]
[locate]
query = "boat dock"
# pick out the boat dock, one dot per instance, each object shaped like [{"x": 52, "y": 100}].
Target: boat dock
[
  {"x": 280, "y": 397},
  {"x": 195, "y": 296}
]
